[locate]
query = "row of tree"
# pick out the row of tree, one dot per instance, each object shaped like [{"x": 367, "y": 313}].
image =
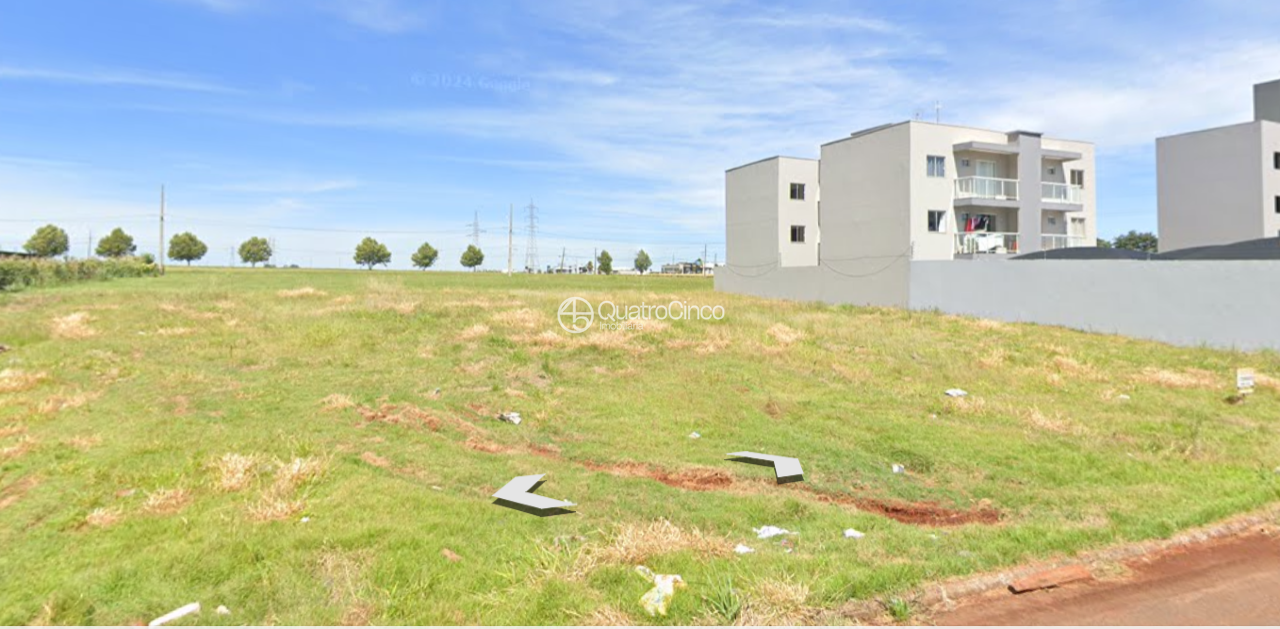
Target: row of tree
[{"x": 51, "y": 241}]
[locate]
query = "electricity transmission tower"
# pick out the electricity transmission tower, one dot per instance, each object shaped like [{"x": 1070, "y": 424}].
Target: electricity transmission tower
[
  {"x": 475, "y": 230},
  {"x": 531, "y": 251}
]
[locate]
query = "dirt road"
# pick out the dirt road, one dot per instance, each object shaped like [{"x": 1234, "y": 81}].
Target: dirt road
[{"x": 1230, "y": 582}]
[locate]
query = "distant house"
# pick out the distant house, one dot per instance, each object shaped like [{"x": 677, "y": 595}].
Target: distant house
[
  {"x": 682, "y": 268},
  {"x": 16, "y": 254}
]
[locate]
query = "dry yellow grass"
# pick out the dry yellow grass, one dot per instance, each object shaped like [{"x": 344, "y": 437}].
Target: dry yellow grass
[
  {"x": 1186, "y": 379},
  {"x": 1055, "y": 422},
  {"x": 607, "y": 616},
  {"x": 175, "y": 332},
  {"x": 969, "y": 405},
  {"x": 24, "y": 445},
  {"x": 167, "y": 501},
  {"x": 84, "y": 443},
  {"x": 543, "y": 339},
  {"x": 785, "y": 335},
  {"x": 337, "y": 402},
  {"x": 520, "y": 318},
  {"x": 633, "y": 544},
  {"x": 64, "y": 402},
  {"x": 274, "y": 507},
  {"x": 1070, "y": 366},
  {"x": 234, "y": 472},
  {"x": 775, "y": 603},
  {"x": 11, "y": 430},
  {"x": 16, "y": 380},
  {"x": 609, "y": 341},
  {"x": 474, "y": 332},
  {"x": 296, "y": 472},
  {"x": 993, "y": 357},
  {"x": 305, "y": 291},
  {"x": 73, "y": 326},
  {"x": 102, "y": 518}
]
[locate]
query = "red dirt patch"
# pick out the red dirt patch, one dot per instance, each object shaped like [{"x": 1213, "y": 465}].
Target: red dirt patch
[
  {"x": 400, "y": 415},
  {"x": 480, "y": 444},
  {"x": 14, "y": 492},
  {"x": 918, "y": 513},
  {"x": 693, "y": 479}
]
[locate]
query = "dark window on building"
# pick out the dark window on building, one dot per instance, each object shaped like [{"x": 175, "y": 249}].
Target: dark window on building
[
  {"x": 1077, "y": 178},
  {"x": 937, "y": 166},
  {"x": 937, "y": 221},
  {"x": 1277, "y": 205},
  {"x": 1275, "y": 158},
  {"x": 797, "y": 191},
  {"x": 797, "y": 233}
]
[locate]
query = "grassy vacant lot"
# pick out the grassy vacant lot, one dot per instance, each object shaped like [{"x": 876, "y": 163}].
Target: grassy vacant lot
[{"x": 162, "y": 441}]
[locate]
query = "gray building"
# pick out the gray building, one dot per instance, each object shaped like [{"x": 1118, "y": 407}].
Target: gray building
[{"x": 1222, "y": 185}]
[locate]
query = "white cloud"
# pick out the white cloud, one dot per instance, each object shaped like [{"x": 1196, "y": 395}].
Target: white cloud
[
  {"x": 113, "y": 77},
  {"x": 291, "y": 185},
  {"x": 388, "y": 16}
]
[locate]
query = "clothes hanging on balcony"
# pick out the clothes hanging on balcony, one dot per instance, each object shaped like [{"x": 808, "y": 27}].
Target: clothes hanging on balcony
[{"x": 977, "y": 223}]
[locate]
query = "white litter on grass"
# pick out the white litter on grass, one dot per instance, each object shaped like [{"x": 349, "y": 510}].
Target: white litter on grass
[
  {"x": 1122, "y": 397},
  {"x": 956, "y": 393},
  {"x": 854, "y": 534},
  {"x": 511, "y": 418},
  {"x": 222, "y": 610},
  {"x": 767, "y": 531},
  {"x": 185, "y": 610},
  {"x": 306, "y": 519},
  {"x": 694, "y": 435},
  {"x": 899, "y": 469},
  {"x": 743, "y": 549}
]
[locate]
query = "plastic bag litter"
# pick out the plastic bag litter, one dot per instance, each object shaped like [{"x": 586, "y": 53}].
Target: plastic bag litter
[
  {"x": 898, "y": 468},
  {"x": 767, "y": 531},
  {"x": 743, "y": 549},
  {"x": 694, "y": 435},
  {"x": 222, "y": 610},
  {"x": 656, "y": 600},
  {"x": 511, "y": 418},
  {"x": 854, "y": 534},
  {"x": 956, "y": 393}
]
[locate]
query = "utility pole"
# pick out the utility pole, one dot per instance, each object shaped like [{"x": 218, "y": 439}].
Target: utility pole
[
  {"x": 88, "y": 249},
  {"x": 511, "y": 225},
  {"x": 160, "y": 257},
  {"x": 531, "y": 250},
  {"x": 595, "y": 261},
  {"x": 562, "y": 250},
  {"x": 937, "y": 111},
  {"x": 704, "y": 258}
]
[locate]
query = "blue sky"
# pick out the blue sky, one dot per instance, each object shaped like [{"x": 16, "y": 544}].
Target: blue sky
[{"x": 616, "y": 118}]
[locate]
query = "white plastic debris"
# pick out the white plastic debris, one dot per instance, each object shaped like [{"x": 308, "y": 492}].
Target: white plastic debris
[
  {"x": 899, "y": 468},
  {"x": 306, "y": 519},
  {"x": 511, "y": 418},
  {"x": 656, "y": 600},
  {"x": 854, "y": 534},
  {"x": 1122, "y": 397},
  {"x": 767, "y": 531},
  {"x": 185, "y": 610},
  {"x": 695, "y": 435},
  {"x": 956, "y": 393},
  {"x": 743, "y": 549},
  {"x": 222, "y": 611}
]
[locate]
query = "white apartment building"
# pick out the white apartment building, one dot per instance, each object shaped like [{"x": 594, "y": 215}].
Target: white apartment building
[
  {"x": 916, "y": 191},
  {"x": 1222, "y": 185}
]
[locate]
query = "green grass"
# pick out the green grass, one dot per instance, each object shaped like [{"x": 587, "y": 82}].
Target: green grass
[{"x": 181, "y": 370}]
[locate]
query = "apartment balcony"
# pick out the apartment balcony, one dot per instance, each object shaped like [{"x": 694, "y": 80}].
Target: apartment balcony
[
  {"x": 990, "y": 191},
  {"x": 1063, "y": 241},
  {"x": 987, "y": 243},
  {"x": 1062, "y": 194}
]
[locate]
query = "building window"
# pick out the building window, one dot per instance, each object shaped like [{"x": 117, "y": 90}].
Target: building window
[
  {"x": 1277, "y": 205},
  {"x": 1077, "y": 178},
  {"x": 937, "y": 166},
  {"x": 1053, "y": 170},
  {"x": 797, "y": 233},
  {"x": 937, "y": 221},
  {"x": 797, "y": 191},
  {"x": 965, "y": 162},
  {"x": 1275, "y": 158}
]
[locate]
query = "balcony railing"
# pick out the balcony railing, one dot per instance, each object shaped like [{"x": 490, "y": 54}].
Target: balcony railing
[
  {"x": 987, "y": 188},
  {"x": 1062, "y": 241},
  {"x": 1061, "y": 193},
  {"x": 986, "y": 243}
]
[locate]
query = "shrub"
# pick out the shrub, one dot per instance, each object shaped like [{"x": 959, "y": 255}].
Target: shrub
[{"x": 20, "y": 273}]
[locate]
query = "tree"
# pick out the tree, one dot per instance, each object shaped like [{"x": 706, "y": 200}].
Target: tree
[
  {"x": 605, "y": 262},
  {"x": 185, "y": 247},
  {"x": 425, "y": 256},
  {"x": 48, "y": 241},
  {"x": 255, "y": 250},
  {"x": 1103, "y": 243},
  {"x": 1145, "y": 242},
  {"x": 472, "y": 257},
  {"x": 643, "y": 263},
  {"x": 370, "y": 253},
  {"x": 117, "y": 244},
  {"x": 591, "y": 267}
]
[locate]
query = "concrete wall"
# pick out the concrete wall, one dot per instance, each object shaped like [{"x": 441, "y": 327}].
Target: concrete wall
[
  {"x": 1270, "y": 178},
  {"x": 751, "y": 214},
  {"x": 865, "y": 187},
  {"x": 798, "y": 212},
  {"x": 1266, "y": 101},
  {"x": 1217, "y": 303},
  {"x": 1209, "y": 188},
  {"x": 873, "y": 282}
]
